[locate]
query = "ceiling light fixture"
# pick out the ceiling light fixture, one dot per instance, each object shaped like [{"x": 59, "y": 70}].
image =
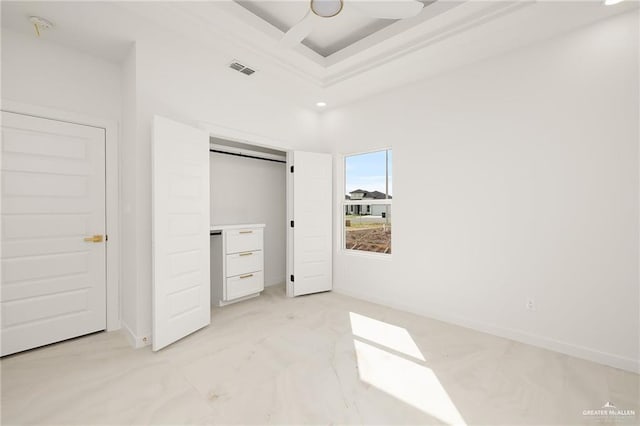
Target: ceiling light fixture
[
  {"x": 612, "y": 2},
  {"x": 321, "y": 104},
  {"x": 326, "y": 8},
  {"x": 387, "y": 9}
]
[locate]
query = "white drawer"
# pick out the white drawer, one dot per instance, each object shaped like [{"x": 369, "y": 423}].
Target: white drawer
[
  {"x": 242, "y": 263},
  {"x": 244, "y": 285},
  {"x": 242, "y": 240}
]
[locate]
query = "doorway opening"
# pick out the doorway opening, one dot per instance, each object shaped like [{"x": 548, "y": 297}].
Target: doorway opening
[{"x": 248, "y": 186}]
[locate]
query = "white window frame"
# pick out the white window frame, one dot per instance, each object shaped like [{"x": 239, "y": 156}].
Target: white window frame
[{"x": 344, "y": 203}]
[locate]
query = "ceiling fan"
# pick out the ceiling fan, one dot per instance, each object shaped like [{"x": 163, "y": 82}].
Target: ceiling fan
[{"x": 319, "y": 9}]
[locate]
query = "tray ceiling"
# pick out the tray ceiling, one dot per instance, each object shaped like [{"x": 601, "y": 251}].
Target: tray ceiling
[{"x": 332, "y": 35}]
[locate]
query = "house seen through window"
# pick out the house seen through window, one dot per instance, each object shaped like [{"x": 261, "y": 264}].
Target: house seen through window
[{"x": 367, "y": 202}]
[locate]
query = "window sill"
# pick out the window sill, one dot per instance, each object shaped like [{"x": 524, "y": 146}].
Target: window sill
[{"x": 366, "y": 254}]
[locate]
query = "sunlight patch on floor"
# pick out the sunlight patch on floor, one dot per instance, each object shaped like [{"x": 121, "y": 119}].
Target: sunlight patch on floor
[
  {"x": 408, "y": 381},
  {"x": 382, "y": 333}
]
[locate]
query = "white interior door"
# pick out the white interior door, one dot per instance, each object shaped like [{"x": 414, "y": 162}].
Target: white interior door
[
  {"x": 180, "y": 236},
  {"x": 53, "y": 197},
  {"x": 309, "y": 195}
]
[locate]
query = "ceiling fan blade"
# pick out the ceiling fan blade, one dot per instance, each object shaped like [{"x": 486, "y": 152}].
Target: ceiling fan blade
[
  {"x": 392, "y": 9},
  {"x": 299, "y": 31}
]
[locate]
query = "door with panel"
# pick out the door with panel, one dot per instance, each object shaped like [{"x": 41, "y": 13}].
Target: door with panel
[
  {"x": 309, "y": 206},
  {"x": 53, "y": 238},
  {"x": 180, "y": 234}
]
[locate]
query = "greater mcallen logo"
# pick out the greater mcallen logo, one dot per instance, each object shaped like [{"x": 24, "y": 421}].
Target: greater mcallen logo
[{"x": 609, "y": 410}]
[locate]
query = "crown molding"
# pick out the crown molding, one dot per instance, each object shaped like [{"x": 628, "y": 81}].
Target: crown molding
[
  {"x": 228, "y": 21},
  {"x": 451, "y": 22}
]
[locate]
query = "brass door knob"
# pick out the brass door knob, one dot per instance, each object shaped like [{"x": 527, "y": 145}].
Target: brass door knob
[{"x": 94, "y": 239}]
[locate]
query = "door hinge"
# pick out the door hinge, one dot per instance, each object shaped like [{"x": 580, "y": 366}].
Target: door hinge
[
  {"x": 292, "y": 279},
  {"x": 291, "y": 169},
  {"x": 292, "y": 224}
]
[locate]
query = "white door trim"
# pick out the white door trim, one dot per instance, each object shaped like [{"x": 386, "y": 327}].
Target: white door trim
[
  {"x": 112, "y": 191},
  {"x": 236, "y": 135}
]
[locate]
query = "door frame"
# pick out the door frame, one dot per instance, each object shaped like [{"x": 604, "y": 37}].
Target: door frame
[{"x": 112, "y": 193}]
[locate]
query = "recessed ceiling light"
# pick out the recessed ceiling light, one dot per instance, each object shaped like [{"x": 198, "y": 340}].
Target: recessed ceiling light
[
  {"x": 321, "y": 104},
  {"x": 612, "y": 2}
]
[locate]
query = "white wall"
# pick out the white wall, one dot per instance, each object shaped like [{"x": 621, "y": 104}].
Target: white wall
[
  {"x": 245, "y": 190},
  {"x": 514, "y": 178},
  {"x": 182, "y": 80},
  {"x": 38, "y": 72}
]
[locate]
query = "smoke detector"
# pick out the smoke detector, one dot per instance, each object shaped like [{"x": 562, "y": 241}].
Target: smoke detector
[
  {"x": 236, "y": 65},
  {"x": 40, "y": 24}
]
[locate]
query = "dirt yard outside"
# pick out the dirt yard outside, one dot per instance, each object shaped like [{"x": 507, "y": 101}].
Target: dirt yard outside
[{"x": 373, "y": 237}]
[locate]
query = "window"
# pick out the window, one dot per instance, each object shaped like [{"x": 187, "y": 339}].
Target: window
[{"x": 367, "y": 202}]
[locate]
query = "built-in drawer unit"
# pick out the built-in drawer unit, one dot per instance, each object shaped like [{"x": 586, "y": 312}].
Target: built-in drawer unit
[
  {"x": 237, "y": 263},
  {"x": 243, "y": 240}
]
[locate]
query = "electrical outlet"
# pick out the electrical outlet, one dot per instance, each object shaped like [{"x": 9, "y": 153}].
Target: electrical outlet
[{"x": 531, "y": 305}]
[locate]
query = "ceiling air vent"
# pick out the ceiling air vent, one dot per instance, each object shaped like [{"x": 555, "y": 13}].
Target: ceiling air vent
[{"x": 235, "y": 65}]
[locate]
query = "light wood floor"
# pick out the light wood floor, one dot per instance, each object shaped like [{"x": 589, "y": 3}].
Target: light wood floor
[{"x": 320, "y": 359}]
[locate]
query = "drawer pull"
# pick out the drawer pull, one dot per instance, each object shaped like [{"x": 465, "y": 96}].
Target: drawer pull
[
  {"x": 246, "y": 276},
  {"x": 246, "y": 232},
  {"x": 246, "y": 254}
]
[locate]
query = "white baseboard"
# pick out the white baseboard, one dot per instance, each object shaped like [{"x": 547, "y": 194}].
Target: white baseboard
[
  {"x": 627, "y": 364},
  {"x": 134, "y": 340}
]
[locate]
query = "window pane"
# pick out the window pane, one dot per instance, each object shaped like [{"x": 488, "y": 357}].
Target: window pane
[
  {"x": 368, "y": 227},
  {"x": 366, "y": 176}
]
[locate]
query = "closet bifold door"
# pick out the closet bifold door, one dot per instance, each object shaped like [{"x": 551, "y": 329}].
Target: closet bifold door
[
  {"x": 309, "y": 207},
  {"x": 180, "y": 233}
]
